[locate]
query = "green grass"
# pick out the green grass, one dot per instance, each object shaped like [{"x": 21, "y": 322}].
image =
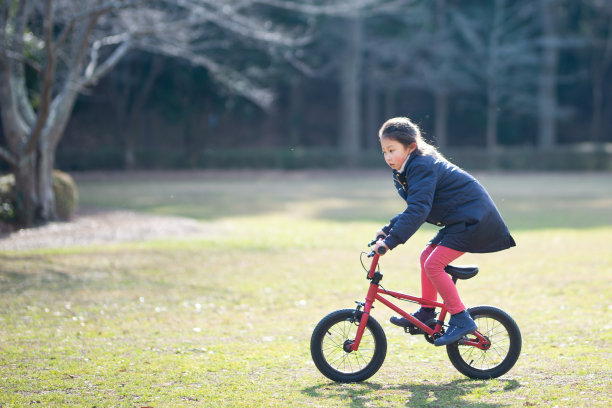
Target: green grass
[{"x": 226, "y": 319}]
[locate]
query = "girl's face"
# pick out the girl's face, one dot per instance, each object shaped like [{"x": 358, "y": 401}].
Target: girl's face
[{"x": 395, "y": 153}]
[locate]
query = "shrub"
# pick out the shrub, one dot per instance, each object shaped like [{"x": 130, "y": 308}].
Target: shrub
[
  {"x": 7, "y": 207},
  {"x": 64, "y": 189},
  {"x": 66, "y": 195}
]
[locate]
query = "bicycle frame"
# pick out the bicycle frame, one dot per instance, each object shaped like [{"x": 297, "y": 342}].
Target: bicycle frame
[{"x": 376, "y": 293}]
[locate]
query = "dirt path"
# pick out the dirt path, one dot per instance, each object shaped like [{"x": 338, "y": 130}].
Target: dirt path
[{"x": 102, "y": 226}]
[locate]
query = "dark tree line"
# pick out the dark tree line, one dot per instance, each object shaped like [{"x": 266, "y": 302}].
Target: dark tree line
[{"x": 476, "y": 73}]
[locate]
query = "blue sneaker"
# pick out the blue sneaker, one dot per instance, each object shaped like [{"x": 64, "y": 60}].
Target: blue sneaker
[
  {"x": 459, "y": 325},
  {"x": 424, "y": 315}
]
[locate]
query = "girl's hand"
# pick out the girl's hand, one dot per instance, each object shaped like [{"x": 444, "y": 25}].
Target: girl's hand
[
  {"x": 379, "y": 234},
  {"x": 380, "y": 244}
]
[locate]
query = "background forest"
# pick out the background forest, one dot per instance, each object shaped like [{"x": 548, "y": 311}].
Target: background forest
[{"x": 509, "y": 75}]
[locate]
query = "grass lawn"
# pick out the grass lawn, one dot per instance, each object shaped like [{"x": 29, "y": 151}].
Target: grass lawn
[{"x": 225, "y": 320}]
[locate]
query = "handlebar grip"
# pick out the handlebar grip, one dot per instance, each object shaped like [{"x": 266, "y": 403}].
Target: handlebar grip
[
  {"x": 382, "y": 250},
  {"x": 376, "y": 240}
]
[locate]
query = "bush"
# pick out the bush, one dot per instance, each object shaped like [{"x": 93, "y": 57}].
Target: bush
[
  {"x": 66, "y": 195},
  {"x": 7, "y": 207},
  {"x": 64, "y": 189}
]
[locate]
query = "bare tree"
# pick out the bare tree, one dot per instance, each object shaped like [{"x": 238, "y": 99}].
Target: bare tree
[
  {"x": 128, "y": 90},
  {"x": 600, "y": 40},
  {"x": 346, "y": 22},
  {"x": 415, "y": 47},
  {"x": 70, "y": 45},
  {"x": 500, "y": 54},
  {"x": 547, "y": 86},
  {"x": 350, "y": 86},
  {"x": 435, "y": 66}
]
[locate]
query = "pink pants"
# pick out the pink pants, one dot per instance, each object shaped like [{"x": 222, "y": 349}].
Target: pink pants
[{"x": 434, "y": 280}]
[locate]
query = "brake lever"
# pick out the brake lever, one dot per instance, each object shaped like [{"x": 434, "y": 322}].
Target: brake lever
[{"x": 374, "y": 241}]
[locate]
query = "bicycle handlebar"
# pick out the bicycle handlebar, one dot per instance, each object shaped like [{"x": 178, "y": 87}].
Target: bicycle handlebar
[{"x": 381, "y": 250}]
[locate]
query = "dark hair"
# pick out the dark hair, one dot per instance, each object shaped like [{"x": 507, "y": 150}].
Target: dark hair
[{"x": 406, "y": 132}]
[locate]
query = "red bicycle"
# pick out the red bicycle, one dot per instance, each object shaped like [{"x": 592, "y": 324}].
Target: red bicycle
[{"x": 349, "y": 345}]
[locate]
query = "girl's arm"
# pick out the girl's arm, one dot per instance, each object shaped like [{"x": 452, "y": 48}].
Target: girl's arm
[
  {"x": 422, "y": 182},
  {"x": 390, "y": 225}
]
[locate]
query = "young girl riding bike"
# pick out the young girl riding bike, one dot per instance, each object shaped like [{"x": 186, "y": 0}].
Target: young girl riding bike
[{"x": 442, "y": 194}]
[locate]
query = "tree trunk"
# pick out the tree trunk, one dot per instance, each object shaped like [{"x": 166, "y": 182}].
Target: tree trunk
[
  {"x": 350, "y": 83},
  {"x": 601, "y": 60},
  {"x": 296, "y": 108},
  {"x": 547, "y": 95},
  {"x": 372, "y": 120},
  {"x": 26, "y": 198},
  {"x": 492, "y": 118},
  {"x": 440, "y": 93},
  {"x": 390, "y": 101},
  {"x": 492, "y": 76},
  {"x": 35, "y": 198},
  {"x": 44, "y": 175},
  {"x": 441, "y": 119}
]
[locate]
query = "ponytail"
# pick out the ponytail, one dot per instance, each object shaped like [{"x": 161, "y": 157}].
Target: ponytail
[{"x": 406, "y": 132}]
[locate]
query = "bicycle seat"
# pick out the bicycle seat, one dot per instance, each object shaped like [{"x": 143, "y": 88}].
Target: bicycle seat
[{"x": 462, "y": 272}]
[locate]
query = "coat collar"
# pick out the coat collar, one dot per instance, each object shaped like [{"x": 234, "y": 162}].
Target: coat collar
[{"x": 402, "y": 170}]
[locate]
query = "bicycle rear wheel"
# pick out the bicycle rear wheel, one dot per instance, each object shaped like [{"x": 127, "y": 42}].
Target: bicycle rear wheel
[
  {"x": 505, "y": 337},
  {"x": 334, "y": 334}
]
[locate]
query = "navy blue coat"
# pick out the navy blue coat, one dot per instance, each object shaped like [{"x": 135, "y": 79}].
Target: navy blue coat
[{"x": 441, "y": 193}]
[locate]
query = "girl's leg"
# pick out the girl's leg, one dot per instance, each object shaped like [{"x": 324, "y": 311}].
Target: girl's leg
[
  {"x": 434, "y": 266},
  {"x": 428, "y": 291}
]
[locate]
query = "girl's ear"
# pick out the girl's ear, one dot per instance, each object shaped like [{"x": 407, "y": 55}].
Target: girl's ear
[{"x": 412, "y": 147}]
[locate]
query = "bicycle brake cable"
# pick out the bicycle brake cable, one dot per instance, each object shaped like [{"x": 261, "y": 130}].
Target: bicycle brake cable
[
  {"x": 365, "y": 268},
  {"x": 361, "y": 260}
]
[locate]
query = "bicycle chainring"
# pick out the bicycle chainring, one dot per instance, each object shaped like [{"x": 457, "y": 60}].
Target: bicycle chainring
[{"x": 432, "y": 323}]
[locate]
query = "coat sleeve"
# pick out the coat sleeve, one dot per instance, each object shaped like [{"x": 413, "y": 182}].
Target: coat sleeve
[
  {"x": 387, "y": 228},
  {"x": 422, "y": 181}
]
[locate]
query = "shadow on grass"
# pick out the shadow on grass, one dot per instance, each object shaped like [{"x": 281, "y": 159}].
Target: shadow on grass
[
  {"x": 416, "y": 395},
  {"x": 19, "y": 274}
]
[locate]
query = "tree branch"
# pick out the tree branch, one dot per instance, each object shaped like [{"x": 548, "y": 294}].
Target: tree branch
[
  {"x": 93, "y": 73},
  {"x": 229, "y": 18},
  {"x": 143, "y": 95},
  {"x": 95, "y": 11},
  {"x": 340, "y": 9},
  {"x": 8, "y": 157},
  {"x": 46, "y": 83},
  {"x": 12, "y": 55},
  {"x": 15, "y": 126},
  {"x": 471, "y": 36},
  {"x": 230, "y": 78}
]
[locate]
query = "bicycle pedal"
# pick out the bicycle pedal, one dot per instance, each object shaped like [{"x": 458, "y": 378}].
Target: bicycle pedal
[{"x": 413, "y": 330}]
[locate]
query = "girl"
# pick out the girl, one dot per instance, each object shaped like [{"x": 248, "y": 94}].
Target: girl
[{"x": 440, "y": 193}]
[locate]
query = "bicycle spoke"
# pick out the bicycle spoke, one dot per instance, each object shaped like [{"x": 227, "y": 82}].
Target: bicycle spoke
[
  {"x": 337, "y": 357},
  {"x": 494, "y": 356}
]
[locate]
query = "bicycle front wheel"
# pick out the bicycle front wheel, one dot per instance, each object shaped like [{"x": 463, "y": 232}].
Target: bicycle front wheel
[
  {"x": 333, "y": 336},
  {"x": 505, "y": 337}
]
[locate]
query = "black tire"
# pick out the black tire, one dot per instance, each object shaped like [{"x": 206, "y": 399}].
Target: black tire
[
  {"x": 505, "y": 337},
  {"x": 327, "y": 347}
]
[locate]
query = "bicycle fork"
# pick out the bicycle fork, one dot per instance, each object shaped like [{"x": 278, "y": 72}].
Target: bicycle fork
[{"x": 364, "y": 315}]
